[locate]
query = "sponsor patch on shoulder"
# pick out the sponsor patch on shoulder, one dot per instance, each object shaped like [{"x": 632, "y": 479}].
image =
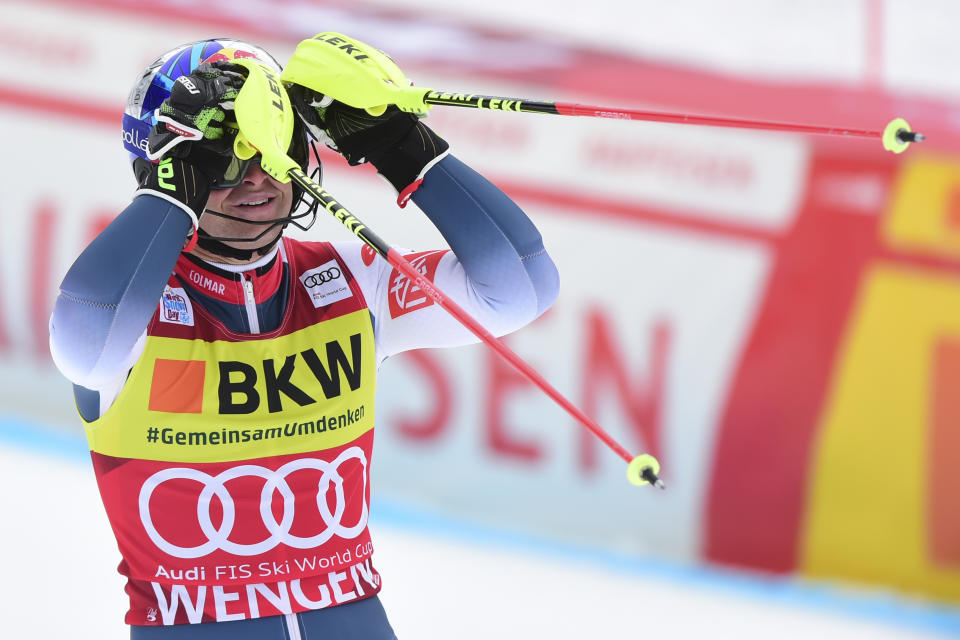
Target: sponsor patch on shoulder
[
  {"x": 368, "y": 255},
  {"x": 175, "y": 307},
  {"x": 406, "y": 296},
  {"x": 326, "y": 284}
]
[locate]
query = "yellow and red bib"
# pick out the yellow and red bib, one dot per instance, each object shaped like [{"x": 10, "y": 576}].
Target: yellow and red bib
[{"x": 235, "y": 468}]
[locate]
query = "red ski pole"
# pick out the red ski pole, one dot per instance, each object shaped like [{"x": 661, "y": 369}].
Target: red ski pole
[
  {"x": 641, "y": 469},
  {"x": 896, "y": 136}
]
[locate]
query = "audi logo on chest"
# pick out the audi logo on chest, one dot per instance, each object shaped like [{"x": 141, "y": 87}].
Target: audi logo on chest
[
  {"x": 326, "y": 283},
  {"x": 318, "y": 278},
  {"x": 327, "y": 521}
]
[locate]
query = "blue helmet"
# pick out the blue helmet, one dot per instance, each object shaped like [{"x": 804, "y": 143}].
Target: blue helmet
[
  {"x": 154, "y": 84},
  {"x": 153, "y": 87}
]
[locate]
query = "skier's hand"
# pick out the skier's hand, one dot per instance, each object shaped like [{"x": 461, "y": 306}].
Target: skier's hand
[
  {"x": 197, "y": 109},
  {"x": 397, "y": 143},
  {"x": 191, "y": 146}
]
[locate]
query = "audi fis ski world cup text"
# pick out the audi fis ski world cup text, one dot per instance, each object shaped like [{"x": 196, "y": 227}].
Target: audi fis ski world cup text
[{"x": 272, "y": 569}]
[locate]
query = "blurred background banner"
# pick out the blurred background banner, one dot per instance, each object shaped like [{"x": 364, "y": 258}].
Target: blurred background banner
[{"x": 776, "y": 317}]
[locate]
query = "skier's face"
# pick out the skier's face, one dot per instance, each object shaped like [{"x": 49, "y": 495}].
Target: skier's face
[{"x": 258, "y": 198}]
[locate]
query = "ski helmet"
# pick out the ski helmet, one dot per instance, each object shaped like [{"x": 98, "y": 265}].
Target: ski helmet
[{"x": 153, "y": 87}]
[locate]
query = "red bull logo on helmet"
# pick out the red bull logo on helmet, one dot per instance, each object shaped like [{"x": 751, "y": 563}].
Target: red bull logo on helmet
[{"x": 226, "y": 55}]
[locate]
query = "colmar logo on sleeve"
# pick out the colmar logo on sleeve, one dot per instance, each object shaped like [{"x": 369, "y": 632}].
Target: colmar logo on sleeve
[{"x": 406, "y": 296}]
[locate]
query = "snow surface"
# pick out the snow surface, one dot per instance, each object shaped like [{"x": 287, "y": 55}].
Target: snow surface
[{"x": 440, "y": 580}]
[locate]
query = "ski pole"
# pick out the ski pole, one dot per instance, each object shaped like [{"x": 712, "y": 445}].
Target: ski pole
[
  {"x": 265, "y": 119},
  {"x": 327, "y": 59},
  {"x": 896, "y": 136}
]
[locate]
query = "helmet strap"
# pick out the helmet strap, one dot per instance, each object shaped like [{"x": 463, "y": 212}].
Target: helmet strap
[
  {"x": 300, "y": 197},
  {"x": 209, "y": 243}
]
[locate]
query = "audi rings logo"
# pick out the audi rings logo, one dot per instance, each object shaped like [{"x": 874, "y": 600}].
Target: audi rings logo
[
  {"x": 326, "y": 283},
  {"x": 219, "y": 537},
  {"x": 318, "y": 278}
]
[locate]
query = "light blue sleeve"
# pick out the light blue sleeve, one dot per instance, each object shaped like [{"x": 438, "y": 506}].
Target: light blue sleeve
[
  {"x": 111, "y": 291},
  {"x": 497, "y": 244},
  {"x": 498, "y": 271}
]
